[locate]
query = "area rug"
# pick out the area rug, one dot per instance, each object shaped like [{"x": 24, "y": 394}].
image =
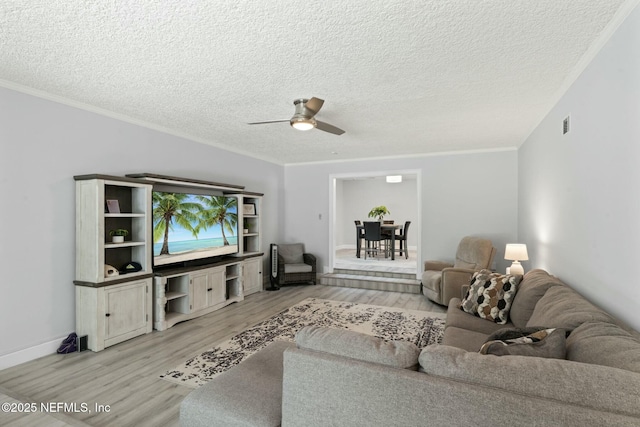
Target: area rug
[{"x": 419, "y": 327}]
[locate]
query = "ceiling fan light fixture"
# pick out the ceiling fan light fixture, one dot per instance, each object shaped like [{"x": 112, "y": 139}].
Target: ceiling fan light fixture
[{"x": 303, "y": 123}]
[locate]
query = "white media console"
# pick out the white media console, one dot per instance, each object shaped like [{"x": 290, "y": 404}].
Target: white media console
[{"x": 111, "y": 307}]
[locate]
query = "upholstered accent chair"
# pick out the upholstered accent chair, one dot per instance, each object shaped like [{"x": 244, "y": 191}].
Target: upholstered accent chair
[
  {"x": 442, "y": 281},
  {"x": 295, "y": 265}
]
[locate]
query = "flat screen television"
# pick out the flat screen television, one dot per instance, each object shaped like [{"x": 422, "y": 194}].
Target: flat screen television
[{"x": 190, "y": 227}]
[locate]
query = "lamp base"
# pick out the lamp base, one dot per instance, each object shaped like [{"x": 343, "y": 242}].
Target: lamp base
[{"x": 516, "y": 268}]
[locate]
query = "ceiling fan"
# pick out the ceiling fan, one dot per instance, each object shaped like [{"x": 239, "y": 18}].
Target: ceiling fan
[{"x": 304, "y": 117}]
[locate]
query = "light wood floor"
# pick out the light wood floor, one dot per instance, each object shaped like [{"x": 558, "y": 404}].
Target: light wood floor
[{"x": 125, "y": 376}]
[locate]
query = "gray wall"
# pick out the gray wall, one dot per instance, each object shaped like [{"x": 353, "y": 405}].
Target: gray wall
[
  {"x": 44, "y": 144},
  {"x": 579, "y": 208},
  {"x": 462, "y": 194}
]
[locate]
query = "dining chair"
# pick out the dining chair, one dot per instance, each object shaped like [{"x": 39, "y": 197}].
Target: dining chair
[
  {"x": 373, "y": 238},
  {"x": 402, "y": 238},
  {"x": 387, "y": 233},
  {"x": 361, "y": 233}
]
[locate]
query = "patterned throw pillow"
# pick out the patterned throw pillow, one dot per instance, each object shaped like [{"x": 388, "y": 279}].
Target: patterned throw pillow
[
  {"x": 490, "y": 295},
  {"x": 550, "y": 343}
]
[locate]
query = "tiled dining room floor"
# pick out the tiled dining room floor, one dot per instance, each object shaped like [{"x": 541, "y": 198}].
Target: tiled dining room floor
[{"x": 346, "y": 258}]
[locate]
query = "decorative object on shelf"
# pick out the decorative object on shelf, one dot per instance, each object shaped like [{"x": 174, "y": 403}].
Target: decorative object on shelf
[
  {"x": 379, "y": 212},
  {"x": 118, "y": 235},
  {"x": 131, "y": 267},
  {"x": 516, "y": 252},
  {"x": 110, "y": 271},
  {"x": 249, "y": 209},
  {"x": 113, "y": 206},
  {"x": 245, "y": 230}
]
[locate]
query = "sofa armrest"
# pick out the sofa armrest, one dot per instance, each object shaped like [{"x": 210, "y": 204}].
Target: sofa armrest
[
  {"x": 453, "y": 279},
  {"x": 436, "y": 265}
]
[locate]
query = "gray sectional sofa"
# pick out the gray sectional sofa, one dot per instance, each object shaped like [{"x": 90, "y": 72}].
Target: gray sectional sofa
[{"x": 341, "y": 378}]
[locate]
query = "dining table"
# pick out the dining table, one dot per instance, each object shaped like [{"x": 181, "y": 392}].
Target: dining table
[{"x": 385, "y": 227}]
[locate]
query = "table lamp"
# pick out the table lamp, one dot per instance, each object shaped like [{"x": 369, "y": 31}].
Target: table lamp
[{"x": 516, "y": 252}]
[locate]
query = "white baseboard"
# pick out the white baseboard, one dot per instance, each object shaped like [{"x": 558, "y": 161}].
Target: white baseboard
[
  {"x": 31, "y": 353},
  {"x": 340, "y": 247}
]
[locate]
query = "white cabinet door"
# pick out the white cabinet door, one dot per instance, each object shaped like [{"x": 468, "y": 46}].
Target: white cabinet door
[
  {"x": 216, "y": 292},
  {"x": 199, "y": 290},
  {"x": 125, "y": 309},
  {"x": 252, "y": 275},
  {"x": 207, "y": 288}
]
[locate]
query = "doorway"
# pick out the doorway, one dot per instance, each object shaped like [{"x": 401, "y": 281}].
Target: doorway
[{"x": 351, "y": 198}]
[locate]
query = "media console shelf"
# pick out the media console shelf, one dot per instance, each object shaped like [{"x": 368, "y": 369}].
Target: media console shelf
[
  {"x": 188, "y": 292},
  {"x": 112, "y": 307}
]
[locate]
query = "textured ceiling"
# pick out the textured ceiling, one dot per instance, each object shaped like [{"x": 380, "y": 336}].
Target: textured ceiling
[{"x": 401, "y": 77}]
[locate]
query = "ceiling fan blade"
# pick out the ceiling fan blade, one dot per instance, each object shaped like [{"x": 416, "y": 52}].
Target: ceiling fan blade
[
  {"x": 328, "y": 128},
  {"x": 314, "y": 105},
  {"x": 268, "y": 121}
]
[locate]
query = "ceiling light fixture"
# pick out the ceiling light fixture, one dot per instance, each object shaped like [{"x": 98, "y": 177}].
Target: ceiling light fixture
[
  {"x": 394, "y": 179},
  {"x": 302, "y": 123}
]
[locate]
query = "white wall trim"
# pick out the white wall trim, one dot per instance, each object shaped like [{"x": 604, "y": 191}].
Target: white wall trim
[
  {"x": 405, "y": 156},
  {"x": 31, "y": 353}
]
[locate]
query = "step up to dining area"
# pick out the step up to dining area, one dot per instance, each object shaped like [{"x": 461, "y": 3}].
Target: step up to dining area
[{"x": 374, "y": 280}]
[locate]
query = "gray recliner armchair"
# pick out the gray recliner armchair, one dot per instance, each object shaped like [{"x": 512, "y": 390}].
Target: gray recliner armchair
[{"x": 442, "y": 281}]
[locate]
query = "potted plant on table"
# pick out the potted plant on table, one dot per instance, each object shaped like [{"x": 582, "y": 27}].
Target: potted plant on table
[
  {"x": 118, "y": 235},
  {"x": 379, "y": 212}
]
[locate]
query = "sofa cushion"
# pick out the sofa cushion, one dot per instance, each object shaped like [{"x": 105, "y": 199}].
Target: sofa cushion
[
  {"x": 594, "y": 386},
  {"x": 533, "y": 286},
  {"x": 463, "y": 338},
  {"x": 604, "y": 344},
  {"x": 474, "y": 253},
  {"x": 292, "y": 253},
  {"x": 397, "y": 354},
  {"x": 490, "y": 295},
  {"x": 562, "y": 307},
  {"x": 464, "y": 320},
  {"x": 298, "y": 268},
  {"x": 527, "y": 342}
]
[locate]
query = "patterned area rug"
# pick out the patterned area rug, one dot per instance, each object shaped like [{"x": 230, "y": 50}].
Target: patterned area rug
[{"x": 419, "y": 327}]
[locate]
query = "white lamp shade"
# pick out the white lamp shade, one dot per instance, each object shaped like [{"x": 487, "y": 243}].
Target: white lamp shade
[{"x": 516, "y": 252}]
